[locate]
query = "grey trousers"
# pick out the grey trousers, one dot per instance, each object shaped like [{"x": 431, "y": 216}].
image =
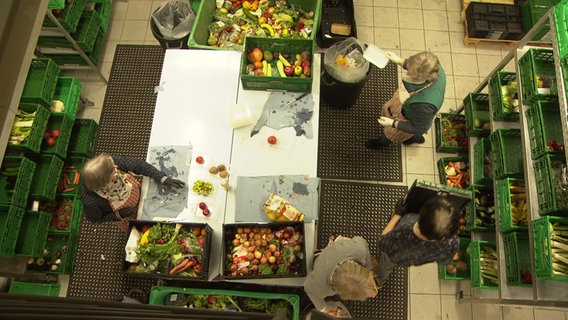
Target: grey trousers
[{"x": 385, "y": 268}]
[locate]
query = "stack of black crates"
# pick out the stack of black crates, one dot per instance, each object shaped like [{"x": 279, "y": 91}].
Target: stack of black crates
[{"x": 495, "y": 21}]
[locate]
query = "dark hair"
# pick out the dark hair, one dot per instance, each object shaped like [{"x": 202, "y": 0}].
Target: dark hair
[{"x": 438, "y": 219}]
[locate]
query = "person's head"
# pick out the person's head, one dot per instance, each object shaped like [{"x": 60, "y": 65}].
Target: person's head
[
  {"x": 438, "y": 219},
  {"x": 423, "y": 66},
  {"x": 352, "y": 281},
  {"x": 98, "y": 172}
]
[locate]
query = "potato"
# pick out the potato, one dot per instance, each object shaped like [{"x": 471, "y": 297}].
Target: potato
[
  {"x": 451, "y": 269},
  {"x": 457, "y": 256},
  {"x": 213, "y": 170},
  {"x": 221, "y": 167},
  {"x": 461, "y": 265},
  {"x": 223, "y": 174}
]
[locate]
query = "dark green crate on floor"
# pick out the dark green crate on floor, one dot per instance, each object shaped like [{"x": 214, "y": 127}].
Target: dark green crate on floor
[
  {"x": 83, "y": 138},
  {"x": 507, "y": 153},
  {"x": 33, "y": 234},
  {"x": 451, "y": 133},
  {"x": 511, "y": 201},
  {"x": 35, "y": 288},
  {"x": 69, "y": 17},
  {"x": 46, "y": 177},
  {"x": 62, "y": 246},
  {"x": 478, "y": 280},
  {"x": 70, "y": 179},
  {"x": 68, "y": 91},
  {"x": 40, "y": 82},
  {"x": 545, "y": 128},
  {"x": 443, "y": 162},
  {"x": 104, "y": 8},
  {"x": 538, "y": 76},
  {"x": 477, "y": 116},
  {"x": 63, "y": 124},
  {"x": 549, "y": 173},
  {"x": 480, "y": 213},
  {"x": 464, "y": 256},
  {"x": 544, "y": 261},
  {"x": 517, "y": 258},
  {"x": 66, "y": 213},
  {"x": 503, "y": 96},
  {"x": 483, "y": 162},
  {"x": 10, "y": 221},
  {"x": 16, "y": 176},
  {"x": 32, "y": 143}
]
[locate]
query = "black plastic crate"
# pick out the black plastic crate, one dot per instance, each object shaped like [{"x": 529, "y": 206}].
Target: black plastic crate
[{"x": 334, "y": 11}]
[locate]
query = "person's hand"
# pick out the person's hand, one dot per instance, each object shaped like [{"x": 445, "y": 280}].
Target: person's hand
[
  {"x": 174, "y": 183},
  {"x": 386, "y": 122},
  {"x": 399, "y": 208},
  {"x": 394, "y": 57},
  {"x": 126, "y": 212}
]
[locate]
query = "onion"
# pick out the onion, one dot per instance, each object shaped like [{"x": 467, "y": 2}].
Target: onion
[
  {"x": 276, "y": 253},
  {"x": 272, "y": 247},
  {"x": 239, "y": 230},
  {"x": 236, "y": 242},
  {"x": 272, "y": 260},
  {"x": 246, "y": 230},
  {"x": 257, "y": 254},
  {"x": 297, "y": 248},
  {"x": 251, "y": 248},
  {"x": 255, "y": 261},
  {"x": 257, "y": 242},
  {"x": 233, "y": 268},
  {"x": 263, "y": 260},
  {"x": 250, "y": 256}
]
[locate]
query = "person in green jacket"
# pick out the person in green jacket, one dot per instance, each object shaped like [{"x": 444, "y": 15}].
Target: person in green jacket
[{"x": 409, "y": 113}]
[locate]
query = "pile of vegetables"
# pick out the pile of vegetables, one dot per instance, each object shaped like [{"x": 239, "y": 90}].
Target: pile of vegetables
[
  {"x": 61, "y": 211},
  {"x": 279, "y": 64},
  {"x": 458, "y": 264},
  {"x": 559, "y": 244},
  {"x": 544, "y": 84},
  {"x": 170, "y": 249},
  {"x": 510, "y": 97},
  {"x": 55, "y": 255},
  {"x": 457, "y": 174},
  {"x": 22, "y": 127},
  {"x": 454, "y": 133},
  {"x": 233, "y": 20},
  {"x": 484, "y": 208},
  {"x": 69, "y": 179},
  {"x": 50, "y": 136},
  {"x": 554, "y": 145},
  {"x": 202, "y": 188},
  {"x": 560, "y": 177},
  {"x": 489, "y": 266},
  {"x": 519, "y": 205},
  {"x": 263, "y": 251}
]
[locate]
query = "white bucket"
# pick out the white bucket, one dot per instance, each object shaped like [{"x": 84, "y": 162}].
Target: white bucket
[{"x": 240, "y": 116}]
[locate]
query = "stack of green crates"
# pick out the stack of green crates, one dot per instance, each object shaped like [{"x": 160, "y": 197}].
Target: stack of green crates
[
  {"x": 538, "y": 76},
  {"x": 517, "y": 258},
  {"x": 507, "y": 153},
  {"x": 85, "y": 36},
  {"x": 477, "y": 117},
  {"x": 503, "y": 91},
  {"x": 68, "y": 17}
]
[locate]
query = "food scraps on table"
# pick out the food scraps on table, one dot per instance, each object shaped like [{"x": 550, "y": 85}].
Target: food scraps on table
[{"x": 203, "y": 188}]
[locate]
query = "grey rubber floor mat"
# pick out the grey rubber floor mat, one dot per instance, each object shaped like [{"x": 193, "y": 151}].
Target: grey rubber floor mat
[
  {"x": 343, "y": 132},
  {"x": 364, "y": 209}
]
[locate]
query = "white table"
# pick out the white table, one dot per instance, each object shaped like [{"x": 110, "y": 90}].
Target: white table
[{"x": 197, "y": 88}]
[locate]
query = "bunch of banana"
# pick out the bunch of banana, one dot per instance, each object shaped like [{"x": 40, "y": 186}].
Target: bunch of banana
[{"x": 519, "y": 206}]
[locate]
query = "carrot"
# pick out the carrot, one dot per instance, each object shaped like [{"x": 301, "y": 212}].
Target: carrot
[
  {"x": 76, "y": 178},
  {"x": 187, "y": 266},
  {"x": 177, "y": 268},
  {"x": 68, "y": 189},
  {"x": 455, "y": 166}
]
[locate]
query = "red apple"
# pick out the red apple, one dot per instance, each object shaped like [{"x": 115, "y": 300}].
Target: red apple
[{"x": 289, "y": 71}]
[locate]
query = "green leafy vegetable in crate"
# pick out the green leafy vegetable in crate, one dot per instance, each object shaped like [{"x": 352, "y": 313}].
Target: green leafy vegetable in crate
[
  {"x": 510, "y": 97},
  {"x": 560, "y": 176},
  {"x": 484, "y": 208},
  {"x": 22, "y": 126},
  {"x": 559, "y": 244},
  {"x": 62, "y": 212},
  {"x": 489, "y": 265},
  {"x": 234, "y": 20},
  {"x": 454, "y": 133}
]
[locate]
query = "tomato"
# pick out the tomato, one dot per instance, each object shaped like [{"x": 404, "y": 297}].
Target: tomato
[
  {"x": 202, "y": 205},
  {"x": 211, "y": 299},
  {"x": 201, "y": 241},
  {"x": 55, "y": 133},
  {"x": 46, "y": 134},
  {"x": 199, "y": 160},
  {"x": 206, "y": 212},
  {"x": 50, "y": 142},
  {"x": 272, "y": 140}
]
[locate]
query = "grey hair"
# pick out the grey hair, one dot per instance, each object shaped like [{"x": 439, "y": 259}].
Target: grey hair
[
  {"x": 352, "y": 281},
  {"x": 425, "y": 66},
  {"x": 96, "y": 172}
]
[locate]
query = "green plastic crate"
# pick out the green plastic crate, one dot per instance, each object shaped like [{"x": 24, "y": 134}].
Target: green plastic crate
[
  {"x": 69, "y": 17},
  {"x": 507, "y": 153},
  {"x": 477, "y": 116},
  {"x": 40, "y": 82},
  {"x": 66, "y": 245},
  {"x": 68, "y": 91},
  {"x": 483, "y": 163},
  {"x": 84, "y": 37},
  {"x": 443, "y": 162},
  {"x": 545, "y": 127},
  {"x": 32, "y": 143},
  {"x": 56, "y": 4},
  {"x": 532, "y": 11},
  {"x": 477, "y": 280},
  {"x": 451, "y": 133},
  {"x": 276, "y": 82},
  {"x": 475, "y": 215},
  {"x": 66, "y": 213},
  {"x": 104, "y": 8},
  {"x": 70, "y": 174},
  {"x": 95, "y": 55},
  {"x": 162, "y": 295},
  {"x": 543, "y": 259},
  {"x": 46, "y": 177},
  {"x": 64, "y": 124},
  {"x": 560, "y": 13},
  {"x": 15, "y": 185},
  {"x": 205, "y": 16},
  {"x": 10, "y": 221},
  {"x": 548, "y": 171},
  {"x": 517, "y": 258},
  {"x": 538, "y": 76},
  {"x": 33, "y": 234},
  {"x": 35, "y": 288},
  {"x": 500, "y": 112},
  {"x": 511, "y": 196},
  {"x": 460, "y": 274},
  {"x": 83, "y": 138}
]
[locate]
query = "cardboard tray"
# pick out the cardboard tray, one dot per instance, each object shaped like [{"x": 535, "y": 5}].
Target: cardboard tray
[{"x": 421, "y": 191}]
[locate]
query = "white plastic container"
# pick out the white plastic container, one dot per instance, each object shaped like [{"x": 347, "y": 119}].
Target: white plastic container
[{"x": 240, "y": 116}]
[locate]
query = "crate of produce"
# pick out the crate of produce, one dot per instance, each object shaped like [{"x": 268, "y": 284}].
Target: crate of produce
[
  {"x": 59, "y": 255},
  {"x": 484, "y": 265},
  {"x": 545, "y": 128},
  {"x": 33, "y": 234},
  {"x": 103, "y": 8},
  {"x": 10, "y": 221},
  {"x": 168, "y": 250},
  {"x": 212, "y": 25},
  {"x": 29, "y": 126},
  {"x": 68, "y": 17},
  {"x": 285, "y": 237},
  {"x": 483, "y": 163},
  {"x": 458, "y": 269},
  {"x": 550, "y": 237},
  {"x": 550, "y": 177},
  {"x": 503, "y": 96},
  {"x": 507, "y": 152},
  {"x": 56, "y": 4},
  {"x": 261, "y": 71},
  {"x": 57, "y": 134},
  {"x": 66, "y": 212},
  {"x": 451, "y": 133},
  {"x": 70, "y": 179},
  {"x": 512, "y": 205},
  {"x": 40, "y": 82},
  {"x": 517, "y": 258},
  {"x": 538, "y": 76},
  {"x": 46, "y": 177},
  {"x": 16, "y": 176},
  {"x": 35, "y": 288},
  {"x": 215, "y": 299},
  {"x": 477, "y": 116},
  {"x": 68, "y": 92},
  {"x": 83, "y": 138},
  {"x": 480, "y": 214},
  {"x": 454, "y": 171},
  {"x": 560, "y": 13}
]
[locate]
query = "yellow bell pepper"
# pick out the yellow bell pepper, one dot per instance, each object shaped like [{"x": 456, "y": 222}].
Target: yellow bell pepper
[
  {"x": 247, "y": 5},
  {"x": 144, "y": 238}
]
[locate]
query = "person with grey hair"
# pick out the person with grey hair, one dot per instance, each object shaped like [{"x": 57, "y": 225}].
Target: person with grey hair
[{"x": 409, "y": 113}]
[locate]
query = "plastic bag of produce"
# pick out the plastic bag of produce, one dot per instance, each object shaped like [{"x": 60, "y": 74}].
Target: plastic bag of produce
[
  {"x": 344, "y": 61},
  {"x": 174, "y": 19},
  {"x": 278, "y": 209}
]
